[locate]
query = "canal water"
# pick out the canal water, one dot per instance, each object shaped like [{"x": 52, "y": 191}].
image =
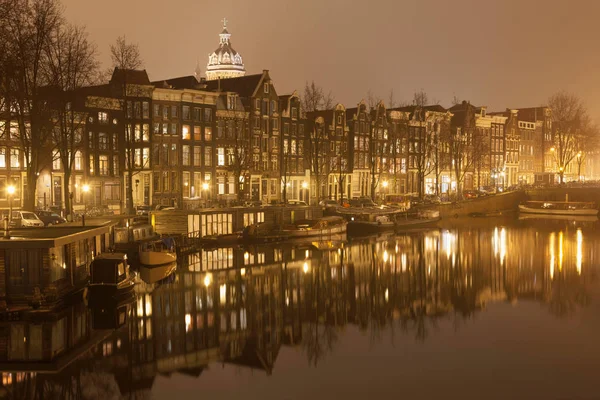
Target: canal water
[{"x": 484, "y": 309}]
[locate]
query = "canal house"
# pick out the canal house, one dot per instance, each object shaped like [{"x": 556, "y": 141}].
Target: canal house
[{"x": 39, "y": 267}]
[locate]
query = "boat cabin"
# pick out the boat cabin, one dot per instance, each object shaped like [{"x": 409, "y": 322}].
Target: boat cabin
[{"x": 109, "y": 269}]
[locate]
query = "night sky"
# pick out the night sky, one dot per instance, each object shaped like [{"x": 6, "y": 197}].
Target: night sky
[{"x": 510, "y": 53}]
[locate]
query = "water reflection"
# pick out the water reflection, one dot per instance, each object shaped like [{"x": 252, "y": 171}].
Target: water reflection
[{"x": 240, "y": 306}]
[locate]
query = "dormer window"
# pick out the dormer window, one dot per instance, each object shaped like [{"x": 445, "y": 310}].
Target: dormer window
[
  {"x": 266, "y": 87},
  {"x": 339, "y": 119}
]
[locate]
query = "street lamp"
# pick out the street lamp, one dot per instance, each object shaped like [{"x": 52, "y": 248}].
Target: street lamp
[
  {"x": 86, "y": 189},
  {"x": 304, "y": 187},
  {"x": 579, "y": 166},
  {"x": 10, "y": 190},
  {"x": 385, "y": 185}
]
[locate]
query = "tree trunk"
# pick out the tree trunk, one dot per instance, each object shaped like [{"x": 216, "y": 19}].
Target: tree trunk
[
  {"x": 129, "y": 194},
  {"x": 67, "y": 192},
  {"x": 29, "y": 195}
]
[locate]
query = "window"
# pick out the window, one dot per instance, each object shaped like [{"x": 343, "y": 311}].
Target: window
[
  {"x": 156, "y": 128},
  {"x": 102, "y": 117},
  {"x": 197, "y": 132},
  {"x": 207, "y": 156},
  {"x": 220, "y": 156},
  {"x": 186, "y": 184},
  {"x": 102, "y": 141},
  {"x": 2, "y": 157},
  {"x": 207, "y": 133},
  {"x": 91, "y": 165},
  {"x": 197, "y": 114},
  {"x": 155, "y": 154},
  {"x": 145, "y": 157},
  {"x": 185, "y": 132},
  {"x": 156, "y": 110},
  {"x": 56, "y": 161},
  {"x": 174, "y": 130},
  {"x": 156, "y": 181},
  {"x": 207, "y": 115},
  {"x": 185, "y": 151},
  {"x": 115, "y": 166},
  {"x": 186, "y": 113},
  {"x": 294, "y": 113},
  {"x": 78, "y": 161},
  {"x": 197, "y": 156},
  {"x": 165, "y": 129},
  {"x": 265, "y": 110},
  {"x": 14, "y": 158},
  {"x": 165, "y": 181},
  {"x": 103, "y": 165},
  {"x": 266, "y": 87},
  {"x": 145, "y": 109},
  {"x": 165, "y": 112},
  {"x": 91, "y": 139},
  {"x": 137, "y": 159},
  {"x": 173, "y": 155},
  {"x": 173, "y": 111},
  {"x": 137, "y": 109},
  {"x": 231, "y": 102},
  {"x": 174, "y": 181},
  {"x": 146, "y": 132},
  {"x": 275, "y": 124}
]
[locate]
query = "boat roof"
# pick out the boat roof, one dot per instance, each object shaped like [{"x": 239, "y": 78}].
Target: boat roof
[
  {"x": 560, "y": 202},
  {"x": 111, "y": 256}
]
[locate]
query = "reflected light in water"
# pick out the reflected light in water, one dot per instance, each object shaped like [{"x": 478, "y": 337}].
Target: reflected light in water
[
  {"x": 552, "y": 254},
  {"x": 403, "y": 261},
  {"x": 579, "y": 250},
  {"x": 223, "y": 293},
  {"x": 188, "y": 322},
  {"x": 385, "y": 256},
  {"x": 560, "y": 250},
  {"x": 387, "y": 295},
  {"x": 305, "y": 268},
  {"x": 449, "y": 239},
  {"x": 243, "y": 271}
]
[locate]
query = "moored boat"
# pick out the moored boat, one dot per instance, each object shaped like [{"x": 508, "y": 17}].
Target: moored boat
[
  {"x": 571, "y": 208},
  {"x": 368, "y": 224},
  {"x": 423, "y": 218},
  {"x": 157, "y": 259},
  {"x": 324, "y": 227},
  {"x": 110, "y": 277}
]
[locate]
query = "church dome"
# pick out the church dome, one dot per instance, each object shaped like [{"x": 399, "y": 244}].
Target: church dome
[{"x": 224, "y": 62}]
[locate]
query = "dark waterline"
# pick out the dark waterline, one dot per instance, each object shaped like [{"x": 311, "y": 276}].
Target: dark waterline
[{"x": 490, "y": 309}]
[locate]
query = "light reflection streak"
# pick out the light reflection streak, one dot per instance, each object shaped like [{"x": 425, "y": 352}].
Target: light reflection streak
[
  {"x": 579, "y": 250},
  {"x": 552, "y": 255},
  {"x": 560, "y": 250}
]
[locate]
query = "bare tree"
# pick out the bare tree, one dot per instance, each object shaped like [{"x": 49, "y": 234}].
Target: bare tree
[
  {"x": 460, "y": 142},
  {"x": 313, "y": 100},
  {"x": 425, "y": 140},
  {"x": 126, "y": 58},
  {"x": 72, "y": 65},
  {"x": 570, "y": 126},
  {"x": 391, "y": 99},
  {"x": 27, "y": 34}
]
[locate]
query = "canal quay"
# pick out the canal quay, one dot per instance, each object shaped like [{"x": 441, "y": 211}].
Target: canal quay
[{"x": 473, "y": 308}]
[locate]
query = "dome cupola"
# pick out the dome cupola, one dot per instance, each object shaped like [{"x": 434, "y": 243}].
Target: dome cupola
[{"x": 224, "y": 62}]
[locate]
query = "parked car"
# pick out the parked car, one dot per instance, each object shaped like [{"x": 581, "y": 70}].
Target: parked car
[
  {"x": 25, "y": 219},
  {"x": 367, "y": 202},
  {"x": 163, "y": 208},
  {"x": 297, "y": 203},
  {"x": 143, "y": 210},
  {"x": 50, "y": 218},
  {"x": 470, "y": 194},
  {"x": 328, "y": 204}
]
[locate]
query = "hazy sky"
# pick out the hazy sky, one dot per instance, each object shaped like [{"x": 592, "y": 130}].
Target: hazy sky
[{"x": 509, "y": 53}]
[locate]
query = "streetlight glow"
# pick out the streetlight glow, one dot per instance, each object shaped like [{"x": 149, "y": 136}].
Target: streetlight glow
[
  {"x": 304, "y": 185},
  {"x": 10, "y": 189},
  {"x": 205, "y": 186},
  {"x": 85, "y": 188},
  {"x": 385, "y": 184}
]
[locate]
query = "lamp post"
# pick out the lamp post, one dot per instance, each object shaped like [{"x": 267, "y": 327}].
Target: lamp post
[
  {"x": 86, "y": 189},
  {"x": 10, "y": 190},
  {"x": 385, "y": 185},
  {"x": 579, "y": 166}
]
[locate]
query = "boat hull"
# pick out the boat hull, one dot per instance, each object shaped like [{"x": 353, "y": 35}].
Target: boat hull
[
  {"x": 360, "y": 228},
  {"x": 550, "y": 211},
  {"x": 154, "y": 258},
  {"x": 300, "y": 233},
  {"x": 416, "y": 223},
  {"x": 156, "y": 273},
  {"x": 99, "y": 294}
]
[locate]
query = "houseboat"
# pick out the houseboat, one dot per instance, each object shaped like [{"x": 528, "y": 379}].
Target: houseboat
[
  {"x": 569, "y": 208},
  {"x": 368, "y": 224},
  {"x": 422, "y": 219},
  {"x": 45, "y": 267},
  {"x": 110, "y": 278},
  {"x": 324, "y": 227}
]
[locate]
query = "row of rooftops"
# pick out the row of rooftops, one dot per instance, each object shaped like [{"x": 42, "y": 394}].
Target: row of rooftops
[{"x": 247, "y": 86}]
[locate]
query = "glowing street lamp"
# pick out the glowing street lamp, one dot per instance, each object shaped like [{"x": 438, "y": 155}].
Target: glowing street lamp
[{"x": 205, "y": 186}]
